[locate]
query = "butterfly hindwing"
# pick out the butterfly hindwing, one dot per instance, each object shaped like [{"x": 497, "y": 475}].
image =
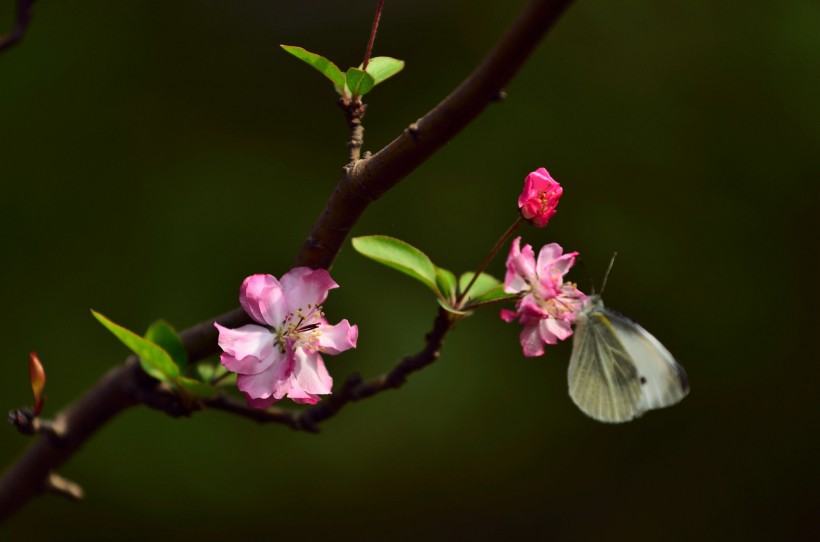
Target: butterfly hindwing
[{"x": 664, "y": 382}]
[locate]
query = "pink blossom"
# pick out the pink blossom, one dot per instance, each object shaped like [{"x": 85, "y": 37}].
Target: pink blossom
[
  {"x": 282, "y": 357},
  {"x": 540, "y": 197},
  {"x": 548, "y": 305}
]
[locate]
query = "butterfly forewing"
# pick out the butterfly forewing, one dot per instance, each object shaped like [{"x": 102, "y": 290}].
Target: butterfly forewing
[{"x": 603, "y": 380}]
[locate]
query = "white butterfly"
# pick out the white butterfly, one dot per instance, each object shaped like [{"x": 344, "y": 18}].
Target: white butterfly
[{"x": 618, "y": 370}]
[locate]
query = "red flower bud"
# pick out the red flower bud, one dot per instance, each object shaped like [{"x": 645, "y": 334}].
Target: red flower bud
[{"x": 540, "y": 197}]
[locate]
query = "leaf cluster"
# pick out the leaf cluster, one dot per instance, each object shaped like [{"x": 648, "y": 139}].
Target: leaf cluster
[
  {"x": 162, "y": 355},
  {"x": 451, "y": 292},
  {"x": 355, "y": 82}
]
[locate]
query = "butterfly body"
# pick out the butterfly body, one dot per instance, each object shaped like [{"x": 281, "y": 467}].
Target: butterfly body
[{"x": 618, "y": 370}]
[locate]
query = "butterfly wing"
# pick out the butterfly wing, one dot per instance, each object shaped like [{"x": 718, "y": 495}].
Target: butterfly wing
[
  {"x": 663, "y": 381},
  {"x": 603, "y": 379}
]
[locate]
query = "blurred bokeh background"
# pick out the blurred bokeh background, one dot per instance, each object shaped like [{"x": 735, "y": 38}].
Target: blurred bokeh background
[{"x": 154, "y": 153}]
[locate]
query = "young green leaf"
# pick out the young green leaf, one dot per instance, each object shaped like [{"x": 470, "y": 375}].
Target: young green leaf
[
  {"x": 229, "y": 381},
  {"x": 446, "y": 282},
  {"x": 204, "y": 371},
  {"x": 163, "y": 334},
  {"x": 208, "y": 372},
  {"x": 483, "y": 283},
  {"x": 359, "y": 82},
  {"x": 383, "y": 67},
  {"x": 449, "y": 308},
  {"x": 493, "y": 294},
  {"x": 195, "y": 389},
  {"x": 154, "y": 360},
  {"x": 399, "y": 255},
  {"x": 320, "y": 63}
]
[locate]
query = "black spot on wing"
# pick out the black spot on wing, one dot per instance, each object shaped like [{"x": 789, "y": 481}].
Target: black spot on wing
[{"x": 684, "y": 379}]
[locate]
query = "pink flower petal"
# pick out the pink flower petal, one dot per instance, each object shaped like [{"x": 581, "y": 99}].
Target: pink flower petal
[
  {"x": 530, "y": 309},
  {"x": 247, "y": 350},
  {"x": 264, "y": 384},
  {"x": 293, "y": 278},
  {"x": 311, "y": 374},
  {"x": 292, "y": 389},
  {"x": 310, "y": 288},
  {"x": 520, "y": 265},
  {"x": 531, "y": 342},
  {"x": 547, "y": 256},
  {"x": 259, "y": 403},
  {"x": 552, "y": 330},
  {"x": 262, "y": 298},
  {"x": 338, "y": 338},
  {"x": 508, "y": 316},
  {"x": 308, "y": 399}
]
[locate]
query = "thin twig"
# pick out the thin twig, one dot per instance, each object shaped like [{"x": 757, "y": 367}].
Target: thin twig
[
  {"x": 353, "y": 390},
  {"x": 21, "y": 23},
  {"x": 488, "y": 258},
  {"x": 372, "y": 39},
  {"x": 356, "y": 390},
  {"x": 268, "y": 415}
]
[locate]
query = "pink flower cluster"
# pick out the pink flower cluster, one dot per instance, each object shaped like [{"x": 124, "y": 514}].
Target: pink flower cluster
[
  {"x": 548, "y": 305},
  {"x": 282, "y": 356},
  {"x": 540, "y": 197}
]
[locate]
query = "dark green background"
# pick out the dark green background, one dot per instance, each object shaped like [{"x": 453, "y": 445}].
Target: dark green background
[{"x": 154, "y": 153}]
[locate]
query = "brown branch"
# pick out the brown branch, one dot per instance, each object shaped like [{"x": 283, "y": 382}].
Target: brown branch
[
  {"x": 29, "y": 424},
  {"x": 268, "y": 415},
  {"x": 354, "y": 112},
  {"x": 28, "y": 477},
  {"x": 370, "y": 178},
  {"x": 21, "y": 23},
  {"x": 362, "y": 183}
]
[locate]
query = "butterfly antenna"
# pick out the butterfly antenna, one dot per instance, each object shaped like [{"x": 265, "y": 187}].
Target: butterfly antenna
[{"x": 608, "y": 269}]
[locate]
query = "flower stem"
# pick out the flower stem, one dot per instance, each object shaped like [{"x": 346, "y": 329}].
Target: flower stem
[
  {"x": 220, "y": 378},
  {"x": 372, "y": 34},
  {"x": 488, "y": 258}
]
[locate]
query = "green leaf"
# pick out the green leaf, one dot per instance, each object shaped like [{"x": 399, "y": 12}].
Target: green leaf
[
  {"x": 383, "y": 67},
  {"x": 161, "y": 333},
  {"x": 154, "y": 360},
  {"x": 399, "y": 255},
  {"x": 492, "y": 294},
  {"x": 359, "y": 82},
  {"x": 449, "y": 308},
  {"x": 208, "y": 372},
  {"x": 320, "y": 63},
  {"x": 446, "y": 282},
  {"x": 229, "y": 380},
  {"x": 195, "y": 389},
  {"x": 483, "y": 283},
  {"x": 204, "y": 372}
]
